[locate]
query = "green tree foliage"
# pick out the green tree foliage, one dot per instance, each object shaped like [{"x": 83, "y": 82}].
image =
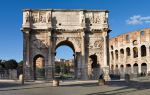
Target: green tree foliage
[
  {"x": 20, "y": 67},
  {"x": 57, "y": 69},
  {"x": 10, "y": 64},
  {"x": 2, "y": 62}
]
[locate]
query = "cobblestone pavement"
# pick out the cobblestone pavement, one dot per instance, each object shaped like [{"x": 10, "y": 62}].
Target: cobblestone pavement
[{"x": 120, "y": 87}]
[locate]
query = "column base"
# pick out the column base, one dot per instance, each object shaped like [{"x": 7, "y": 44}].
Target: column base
[
  {"x": 27, "y": 73},
  {"x": 84, "y": 73},
  {"x": 106, "y": 73},
  {"x": 49, "y": 73}
]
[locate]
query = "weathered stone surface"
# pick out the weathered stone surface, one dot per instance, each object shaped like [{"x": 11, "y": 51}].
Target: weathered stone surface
[
  {"x": 85, "y": 31},
  {"x": 130, "y": 52}
]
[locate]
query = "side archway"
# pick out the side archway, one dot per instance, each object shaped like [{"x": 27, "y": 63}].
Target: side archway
[{"x": 39, "y": 67}]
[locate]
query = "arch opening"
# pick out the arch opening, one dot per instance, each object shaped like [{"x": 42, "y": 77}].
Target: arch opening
[
  {"x": 121, "y": 54},
  {"x": 117, "y": 69},
  {"x": 135, "y": 52},
  {"x": 128, "y": 68},
  {"x": 135, "y": 68},
  {"x": 112, "y": 55},
  {"x": 65, "y": 64},
  {"x": 143, "y": 51},
  {"x": 143, "y": 69},
  {"x": 116, "y": 54},
  {"x": 128, "y": 51},
  {"x": 95, "y": 66},
  {"x": 39, "y": 67}
]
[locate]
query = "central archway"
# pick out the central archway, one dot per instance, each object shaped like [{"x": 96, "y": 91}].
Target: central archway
[{"x": 65, "y": 60}]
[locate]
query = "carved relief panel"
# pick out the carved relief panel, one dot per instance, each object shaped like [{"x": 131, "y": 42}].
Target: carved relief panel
[
  {"x": 39, "y": 41},
  {"x": 96, "y": 47},
  {"x": 94, "y": 19},
  {"x": 26, "y": 17},
  {"x": 42, "y": 17},
  {"x": 35, "y": 17}
]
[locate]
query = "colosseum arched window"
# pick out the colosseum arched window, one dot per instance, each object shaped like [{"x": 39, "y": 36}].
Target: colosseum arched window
[
  {"x": 127, "y": 37},
  {"x": 135, "y": 52},
  {"x": 143, "y": 51},
  {"x": 111, "y": 47},
  {"x": 121, "y": 67},
  {"x": 117, "y": 70},
  {"x": 112, "y": 55},
  {"x": 128, "y": 51},
  {"x": 135, "y": 68},
  {"x": 122, "y": 52},
  {"x": 128, "y": 68},
  {"x": 142, "y": 33},
  {"x": 135, "y": 42},
  {"x": 143, "y": 68},
  {"x": 116, "y": 54}
]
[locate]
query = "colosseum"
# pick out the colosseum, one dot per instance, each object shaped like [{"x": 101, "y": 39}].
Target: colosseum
[{"x": 130, "y": 53}]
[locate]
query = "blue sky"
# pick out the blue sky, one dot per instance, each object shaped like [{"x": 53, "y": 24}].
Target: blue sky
[{"x": 124, "y": 16}]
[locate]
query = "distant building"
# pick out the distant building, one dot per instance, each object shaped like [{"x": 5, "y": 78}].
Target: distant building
[
  {"x": 130, "y": 53},
  {"x": 65, "y": 62}
]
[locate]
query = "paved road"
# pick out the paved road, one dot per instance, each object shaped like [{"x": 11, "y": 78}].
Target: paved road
[{"x": 135, "y": 87}]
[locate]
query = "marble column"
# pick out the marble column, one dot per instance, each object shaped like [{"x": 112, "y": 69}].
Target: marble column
[
  {"x": 147, "y": 51},
  {"x": 53, "y": 45},
  {"x": 26, "y": 55},
  {"x": 105, "y": 65},
  {"x": 84, "y": 65},
  {"x": 79, "y": 65},
  {"x": 49, "y": 73},
  {"x": 139, "y": 68},
  {"x": 139, "y": 52},
  {"x": 131, "y": 51},
  {"x": 119, "y": 56}
]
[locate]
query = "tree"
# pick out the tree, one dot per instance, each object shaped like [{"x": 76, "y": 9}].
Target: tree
[
  {"x": 2, "y": 66},
  {"x": 20, "y": 64},
  {"x": 20, "y": 68},
  {"x": 11, "y": 64}
]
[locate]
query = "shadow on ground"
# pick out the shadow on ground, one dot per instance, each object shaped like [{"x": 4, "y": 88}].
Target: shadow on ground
[
  {"x": 81, "y": 84},
  {"x": 7, "y": 86},
  {"x": 125, "y": 87}
]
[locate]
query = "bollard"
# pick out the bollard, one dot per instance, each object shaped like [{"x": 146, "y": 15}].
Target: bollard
[
  {"x": 21, "y": 79},
  {"x": 55, "y": 82}
]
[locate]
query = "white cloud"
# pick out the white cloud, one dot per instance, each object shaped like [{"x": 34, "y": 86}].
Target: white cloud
[{"x": 138, "y": 19}]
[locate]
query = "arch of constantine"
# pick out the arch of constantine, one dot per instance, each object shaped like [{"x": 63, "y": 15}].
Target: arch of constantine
[{"x": 84, "y": 31}]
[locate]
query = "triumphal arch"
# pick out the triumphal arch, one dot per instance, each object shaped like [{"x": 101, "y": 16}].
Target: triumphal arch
[{"x": 85, "y": 31}]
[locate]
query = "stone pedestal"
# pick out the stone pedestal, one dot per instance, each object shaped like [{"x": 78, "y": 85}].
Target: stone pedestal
[
  {"x": 84, "y": 75},
  {"x": 55, "y": 83},
  {"x": 21, "y": 79},
  {"x": 106, "y": 73},
  {"x": 27, "y": 73},
  {"x": 49, "y": 73}
]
